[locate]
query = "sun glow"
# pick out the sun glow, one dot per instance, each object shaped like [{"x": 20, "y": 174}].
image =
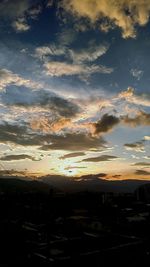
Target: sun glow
[{"x": 69, "y": 171}]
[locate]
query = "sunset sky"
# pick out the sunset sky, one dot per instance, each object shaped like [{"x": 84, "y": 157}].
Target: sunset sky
[{"x": 75, "y": 88}]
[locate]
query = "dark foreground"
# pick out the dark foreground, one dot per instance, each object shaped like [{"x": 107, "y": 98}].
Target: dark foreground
[{"x": 58, "y": 229}]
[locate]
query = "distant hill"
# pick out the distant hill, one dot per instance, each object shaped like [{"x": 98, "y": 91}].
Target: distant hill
[
  {"x": 13, "y": 185},
  {"x": 68, "y": 184},
  {"x": 92, "y": 183}
]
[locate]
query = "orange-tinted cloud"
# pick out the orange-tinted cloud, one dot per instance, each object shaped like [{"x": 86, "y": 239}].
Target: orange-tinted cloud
[
  {"x": 46, "y": 125},
  {"x": 125, "y": 14}
]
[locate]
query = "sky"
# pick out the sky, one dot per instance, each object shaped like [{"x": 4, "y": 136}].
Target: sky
[{"x": 75, "y": 88}]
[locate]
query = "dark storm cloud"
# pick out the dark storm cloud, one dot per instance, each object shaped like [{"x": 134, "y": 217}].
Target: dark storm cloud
[
  {"x": 74, "y": 142},
  {"x": 142, "y": 172},
  {"x": 24, "y": 97},
  {"x": 72, "y": 155},
  {"x": 106, "y": 124},
  {"x": 17, "y": 157},
  {"x": 100, "y": 158}
]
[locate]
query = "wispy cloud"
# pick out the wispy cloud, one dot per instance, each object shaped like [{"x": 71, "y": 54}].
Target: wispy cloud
[
  {"x": 17, "y": 157},
  {"x": 136, "y": 73},
  {"x": 144, "y": 164},
  {"x": 75, "y": 62},
  {"x": 72, "y": 155},
  {"x": 90, "y": 54},
  {"x": 142, "y": 172},
  {"x": 100, "y": 158},
  {"x": 52, "y": 50},
  {"x": 75, "y": 167},
  {"x": 7, "y": 78},
  {"x": 58, "y": 69}
]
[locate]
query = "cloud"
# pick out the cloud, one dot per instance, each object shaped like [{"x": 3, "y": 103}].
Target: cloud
[
  {"x": 90, "y": 54},
  {"x": 34, "y": 10},
  {"x": 142, "y": 164},
  {"x": 105, "y": 124},
  {"x": 75, "y": 167},
  {"x": 146, "y": 157},
  {"x": 137, "y": 147},
  {"x": 141, "y": 119},
  {"x": 125, "y": 14},
  {"x": 20, "y": 25},
  {"x": 20, "y": 97},
  {"x": 45, "y": 124},
  {"x": 137, "y": 73},
  {"x": 74, "y": 62},
  {"x": 127, "y": 94},
  {"x": 106, "y": 26},
  {"x": 13, "y": 9},
  {"x": 142, "y": 172},
  {"x": 117, "y": 176},
  {"x": 58, "y": 69},
  {"x": 147, "y": 138},
  {"x": 131, "y": 97},
  {"x": 135, "y": 157},
  {"x": 100, "y": 158},
  {"x": 91, "y": 177},
  {"x": 17, "y": 12},
  {"x": 17, "y": 134},
  {"x": 72, "y": 155},
  {"x": 17, "y": 157},
  {"x": 11, "y": 173},
  {"x": 7, "y": 78},
  {"x": 74, "y": 142},
  {"x": 52, "y": 50},
  {"x": 20, "y": 134}
]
